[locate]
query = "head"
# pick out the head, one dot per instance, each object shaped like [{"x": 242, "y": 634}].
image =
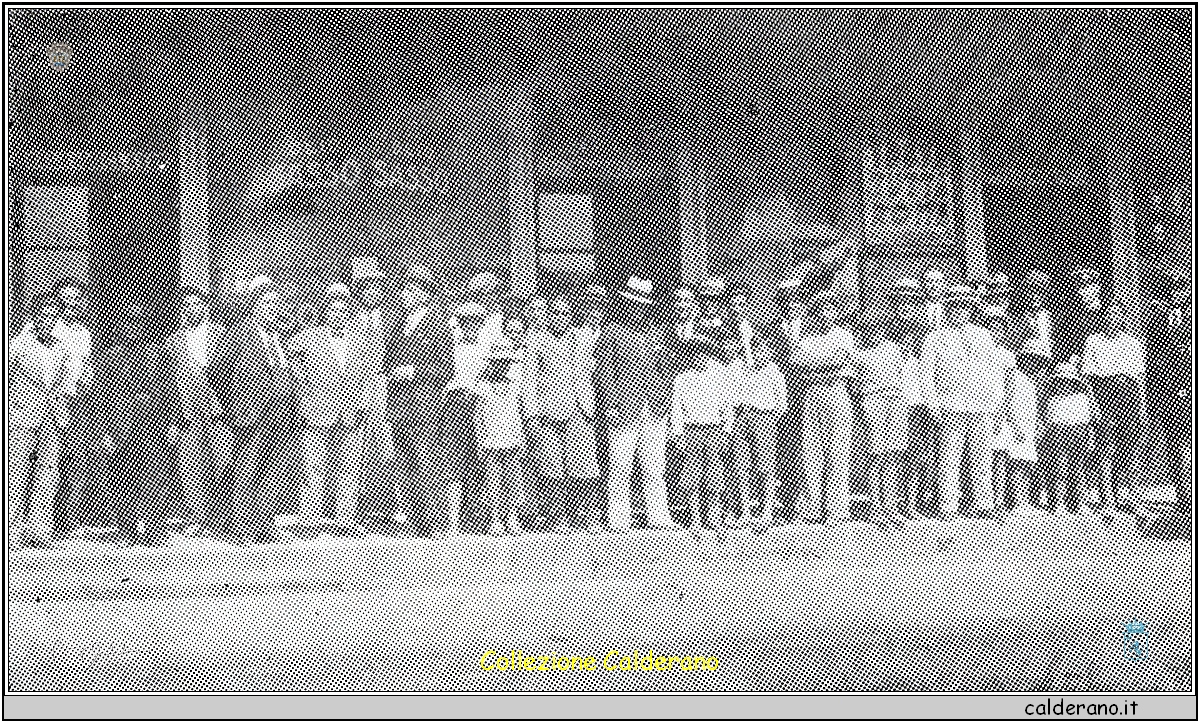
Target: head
[
  {"x": 1089, "y": 293},
  {"x": 484, "y": 288},
  {"x": 514, "y": 328},
  {"x": 133, "y": 324},
  {"x": 684, "y": 304},
  {"x": 72, "y": 303},
  {"x": 593, "y": 304},
  {"x": 1179, "y": 290},
  {"x": 711, "y": 305},
  {"x": 872, "y": 329},
  {"x": 559, "y": 316},
  {"x": 958, "y": 313},
  {"x": 413, "y": 295},
  {"x": 1115, "y": 318},
  {"x": 193, "y": 306},
  {"x": 933, "y": 283},
  {"x": 792, "y": 304},
  {"x": 370, "y": 292},
  {"x": 44, "y": 311},
  {"x": 825, "y": 310},
  {"x": 1033, "y": 293}
]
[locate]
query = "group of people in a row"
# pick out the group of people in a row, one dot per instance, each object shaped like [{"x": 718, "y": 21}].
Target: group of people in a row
[{"x": 500, "y": 417}]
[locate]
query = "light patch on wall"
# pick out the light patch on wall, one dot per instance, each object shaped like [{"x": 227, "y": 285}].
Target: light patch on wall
[{"x": 55, "y": 235}]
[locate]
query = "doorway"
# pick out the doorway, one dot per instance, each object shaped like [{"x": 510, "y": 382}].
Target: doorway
[{"x": 637, "y": 234}]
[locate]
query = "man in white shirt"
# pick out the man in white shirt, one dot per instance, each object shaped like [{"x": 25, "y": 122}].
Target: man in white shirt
[
  {"x": 201, "y": 441},
  {"x": 484, "y": 289},
  {"x": 963, "y": 386}
]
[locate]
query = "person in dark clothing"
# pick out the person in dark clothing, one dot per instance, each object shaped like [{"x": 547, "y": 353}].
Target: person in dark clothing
[
  {"x": 1169, "y": 380},
  {"x": 131, "y": 406}
]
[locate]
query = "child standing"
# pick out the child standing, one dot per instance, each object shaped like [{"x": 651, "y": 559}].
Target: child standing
[
  {"x": 879, "y": 368},
  {"x": 760, "y": 403},
  {"x": 500, "y": 437},
  {"x": 701, "y": 421},
  {"x": 1029, "y": 376},
  {"x": 1069, "y": 432}
]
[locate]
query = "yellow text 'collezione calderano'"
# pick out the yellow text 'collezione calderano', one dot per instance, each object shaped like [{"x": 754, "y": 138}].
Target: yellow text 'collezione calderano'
[{"x": 613, "y": 660}]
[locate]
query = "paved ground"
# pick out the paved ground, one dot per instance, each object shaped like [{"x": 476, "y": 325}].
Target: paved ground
[{"x": 1038, "y": 606}]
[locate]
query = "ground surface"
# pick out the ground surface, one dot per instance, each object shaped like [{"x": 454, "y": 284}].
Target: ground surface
[{"x": 1032, "y": 605}]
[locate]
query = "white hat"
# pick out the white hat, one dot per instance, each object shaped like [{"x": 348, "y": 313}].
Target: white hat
[
  {"x": 485, "y": 282},
  {"x": 638, "y": 290},
  {"x": 338, "y": 291},
  {"x": 365, "y": 267}
]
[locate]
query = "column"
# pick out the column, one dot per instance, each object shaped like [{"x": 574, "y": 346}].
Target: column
[
  {"x": 522, "y": 191},
  {"x": 194, "y": 263},
  {"x": 974, "y": 237},
  {"x": 1126, "y": 274},
  {"x": 693, "y": 225}
]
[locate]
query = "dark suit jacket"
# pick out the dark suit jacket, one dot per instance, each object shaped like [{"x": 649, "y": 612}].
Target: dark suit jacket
[
  {"x": 430, "y": 350},
  {"x": 241, "y": 376},
  {"x": 630, "y": 366},
  {"x": 1168, "y": 362},
  {"x": 133, "y": 394}
]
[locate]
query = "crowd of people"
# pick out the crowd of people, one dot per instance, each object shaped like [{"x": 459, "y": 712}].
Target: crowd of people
[{"x": 577, "y": 413}]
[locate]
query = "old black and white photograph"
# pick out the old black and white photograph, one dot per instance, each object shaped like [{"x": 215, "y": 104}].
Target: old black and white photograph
[{"x": 724, "y": 349}]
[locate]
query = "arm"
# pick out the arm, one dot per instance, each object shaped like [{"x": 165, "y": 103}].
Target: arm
[
  {"x": 929, "y": 373},
  {"x": 436, "y": 365}
]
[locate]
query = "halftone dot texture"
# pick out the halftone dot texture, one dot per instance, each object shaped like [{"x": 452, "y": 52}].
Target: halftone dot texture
[{"x": 209, "y": 147}]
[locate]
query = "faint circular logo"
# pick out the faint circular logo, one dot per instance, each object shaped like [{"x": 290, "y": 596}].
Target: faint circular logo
[{"x": 60, "y": 56}]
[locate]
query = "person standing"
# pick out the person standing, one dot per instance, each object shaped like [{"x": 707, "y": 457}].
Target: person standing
[
  {"x": 560, "y": 408},
  {"x": 368, "y": 333},
  {"x": 485, "y": 289},
  {"x": 193, "y": 409},
  {"x": 461, "y": 452},
  {"x": 761, "y": 401},
  {"x": 77, "y": 455},
  {"x": 741, "y": 330},
  {"x": 419, "y": 360},
  {"x": 963, "y": 387},
  {"x": 995, "y": 320},
  {"x": 1114, "y": 368},
  {"x": 1169, "y": 343},
  {"x": 1029, "y": 383},
  {"x": 1070, "y": 416},
  {"x": 255, "y": 386},
  {"x": 711, "y": 323},
  {"x": 331, "y": 379},
  {"x": 133, "y": 386},
  {"x": 1082, "y": 316},
  {"x": 917, "y": 481},
  {"x": 822, "y": 358},
  {"x": 630, "y": 376},
  {"x": 38, "y": 380}
]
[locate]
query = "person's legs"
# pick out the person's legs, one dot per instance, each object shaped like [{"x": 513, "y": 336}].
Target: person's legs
[
  {"x": 22, "y": 442},
  {"x": 652, "y": 452},
  {"x": 839, "y": 435},
  {"x": 691, "y": 475},
  {"x": 1001, "y": 479},
  {"x": 195, "y": 463},
  {"x": 980, "y": 431},
  {"x": 953, "y": 439},
  {"x": 442, "y": 485},
  {"x": 512, "y": 477},
  {"x": 622, "y": 446},
  {"x": 550, "y": 448},
  {"x": 45, "y": 483},
  {"x": 714, "y": 474},
  {"x": 744, "y": 448},
  {"x": 493, "y": 474},
  {"x": 808, "y": 497},
  {"x": 316, "y": 441},
  {"x": 347, "y": 446},
  {"x": 581, "y": 470}
]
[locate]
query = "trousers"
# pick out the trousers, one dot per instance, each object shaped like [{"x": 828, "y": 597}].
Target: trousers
[
  {"x": 331, "y": 457},
  {"x": 35, "y": 482},
  {"x": 828, "y": 421},
  {"x": 643, "y": 440},
  {"x": 970, "y": 432}
]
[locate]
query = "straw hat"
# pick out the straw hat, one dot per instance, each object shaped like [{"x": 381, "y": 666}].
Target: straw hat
[{"x": 638, "y": 291}]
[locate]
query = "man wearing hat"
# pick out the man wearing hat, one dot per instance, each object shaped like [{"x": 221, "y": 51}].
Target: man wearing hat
[
  {"x": 917, "y": 481},
  {"x": 996, "y": 297},
  {"x": 369, "y": 329},
  {"x": 1070, "y": 415},
  {"x": 254, "y": 385},
  {"x": 193, "y": 408},
  {"x": 631, "y": 383},
  {"x": 593, "y": 304},
  {"x": 332, "y": 380},
  {"x": 1169, "y": 346},
  {"x": 470, "y": 359},
  {"x": 711, "y": 323},
  {"x": 419, "y": 362},
  {"x": 963, "y": 386}
]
